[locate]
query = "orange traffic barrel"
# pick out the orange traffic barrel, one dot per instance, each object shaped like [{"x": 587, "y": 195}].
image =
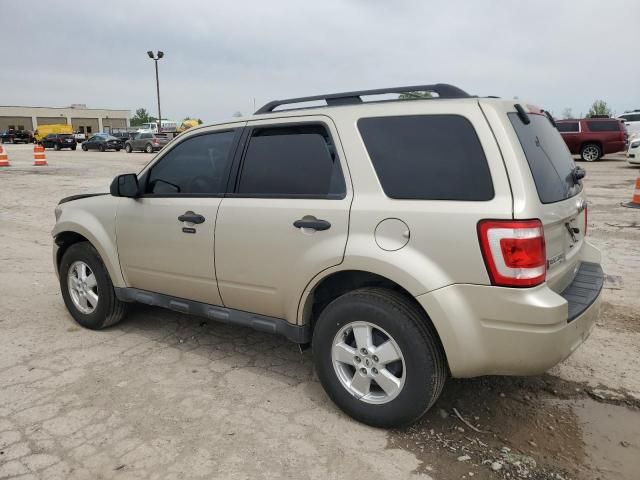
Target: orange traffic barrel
[
  {"x": 635, "y": 199},
  {"x": 4, "y": 158},
  {"x": 39, "y": 157}
]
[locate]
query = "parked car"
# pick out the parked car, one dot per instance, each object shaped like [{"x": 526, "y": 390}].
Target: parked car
[
  {"x": 592, "y": 138},
  {"x": 148, "y": 142},
  {"x": 16, "y": 136},
  {"x": 59, "y": 141},
  {"x": 43, "y": 130},
  {"x": 633, "y": 153},
  {"x": 102, "y": 142},
  {"x": 401, "y": 239},
  {"x": 80, "y": 137},
  {"x": 123, "y": 136},
  {"x": 631, "y": 122}
]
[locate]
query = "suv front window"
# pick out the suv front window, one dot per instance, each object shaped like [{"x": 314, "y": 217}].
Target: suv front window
[
  {"x": 198, "y": 165},
  {"x": 568, "y": 127}
]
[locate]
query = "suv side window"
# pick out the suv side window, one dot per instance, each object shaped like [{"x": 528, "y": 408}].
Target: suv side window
[
  {"x": 568, "y": 127},
  {"x": 427, "y": 157},
  {"x": 291, "y": 161},
  {"x": 198, "y": 165},
  {"x": 603, "y": 125}
]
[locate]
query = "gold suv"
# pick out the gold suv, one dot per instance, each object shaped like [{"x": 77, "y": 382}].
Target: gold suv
[{"x": 405, "y": 240}]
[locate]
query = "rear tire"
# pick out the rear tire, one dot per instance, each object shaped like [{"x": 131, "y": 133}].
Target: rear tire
[
  {"x": 590, "y": 152},
  {"x": 107, "y": 310},
  {"x": 417, "y": 375},
  {"x": 56, "y": 147},
  {"x": 73, "y": 148},
  {"x": 148, "y": 148}
]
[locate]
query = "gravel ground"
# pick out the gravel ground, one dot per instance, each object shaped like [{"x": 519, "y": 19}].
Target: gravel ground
[{"x": 163, "y": 395}]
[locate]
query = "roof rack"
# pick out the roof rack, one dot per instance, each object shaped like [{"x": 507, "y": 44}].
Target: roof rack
[{"x": 350, "y": 98}]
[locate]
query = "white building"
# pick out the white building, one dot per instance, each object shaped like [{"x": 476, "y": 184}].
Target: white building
[{"x": 83, "y": 119}]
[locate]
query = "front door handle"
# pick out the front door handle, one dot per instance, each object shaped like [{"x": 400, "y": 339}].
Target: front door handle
[
  {"x": 191, "y": 217},
  {"x": 313, "y": 223}
]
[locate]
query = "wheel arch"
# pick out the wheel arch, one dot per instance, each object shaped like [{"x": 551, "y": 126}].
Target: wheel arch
[
  {"x": 69, "y": 233},
  {"x": 333, "y": 284}
]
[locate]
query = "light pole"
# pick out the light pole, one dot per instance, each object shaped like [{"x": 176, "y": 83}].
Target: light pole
[{"x": 155, "y": 58}]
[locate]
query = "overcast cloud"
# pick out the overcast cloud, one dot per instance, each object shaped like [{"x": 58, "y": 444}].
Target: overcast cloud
[{"x": 220, "y": 55}]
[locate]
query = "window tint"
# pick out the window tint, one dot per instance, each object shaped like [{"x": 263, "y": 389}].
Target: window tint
[
  {"x": 568, "y": 126},
  {"x": 549, "y": 159},
  {"x": 427, "y": 157},
  {"x": 292, "y": 160},
  {"x": 198, "y": 165},
  {"x": 631, "y": 117},
  {"x": 603, "y": 125}
]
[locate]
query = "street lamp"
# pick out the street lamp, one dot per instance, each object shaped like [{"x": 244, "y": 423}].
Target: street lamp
[{"x": 155, "y": 58}]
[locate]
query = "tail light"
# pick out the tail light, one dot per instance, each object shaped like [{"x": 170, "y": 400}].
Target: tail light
[
  {"x": 154, "y": 141},
  {"x": 514, "y": 252}
]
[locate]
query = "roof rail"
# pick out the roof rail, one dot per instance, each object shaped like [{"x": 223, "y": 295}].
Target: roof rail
[{"x": 350, "y": 98}]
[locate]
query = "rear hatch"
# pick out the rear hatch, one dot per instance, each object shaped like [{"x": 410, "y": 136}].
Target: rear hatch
[
  {"x": 560, "y": 193},
  {"x": 162, "y": 138}
]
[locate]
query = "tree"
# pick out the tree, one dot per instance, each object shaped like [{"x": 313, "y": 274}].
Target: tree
[
  {"x": 141, "y": 116},
  {"x": 414, "y": 95},
  {"x": 599, "y": 107},
  {"x": 567, "y": 113}
]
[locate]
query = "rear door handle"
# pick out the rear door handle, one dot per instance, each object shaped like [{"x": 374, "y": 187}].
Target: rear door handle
[
  {"x": 191, "y": 217},
  {"x": 313, "y": 223}
]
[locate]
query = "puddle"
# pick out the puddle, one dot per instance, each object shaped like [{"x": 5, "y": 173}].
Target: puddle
[{"x": 612, "y": 438}]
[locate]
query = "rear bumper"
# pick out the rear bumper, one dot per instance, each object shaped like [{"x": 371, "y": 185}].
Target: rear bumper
[{"x": 489, "y": 330}]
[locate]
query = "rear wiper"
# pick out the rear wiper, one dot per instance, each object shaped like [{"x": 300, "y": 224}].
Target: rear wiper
[{"x": 577, "y": 174}]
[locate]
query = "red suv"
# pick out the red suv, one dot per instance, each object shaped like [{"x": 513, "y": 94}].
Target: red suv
[{"x": 593, "y": 138}]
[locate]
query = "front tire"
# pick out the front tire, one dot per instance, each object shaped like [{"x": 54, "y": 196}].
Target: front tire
[
  {"x": 87, "y": 289},
  {"x": 127, "y": 148},
  {"x": 378, "y": 357},
  {"x": 101, "y": 148},
  {"x": 56, "y": 147},
  {"x": 590, "y": 152},
  {"x": 84, "y": 147}
]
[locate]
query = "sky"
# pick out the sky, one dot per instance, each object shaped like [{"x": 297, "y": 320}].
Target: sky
[{"x": 220, "y": 56}]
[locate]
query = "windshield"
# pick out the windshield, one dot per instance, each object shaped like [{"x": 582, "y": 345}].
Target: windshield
[{"x": 549, "y": 159}]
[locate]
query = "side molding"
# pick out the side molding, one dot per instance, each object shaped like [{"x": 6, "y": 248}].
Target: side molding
[{"x": 296, "y": 333}]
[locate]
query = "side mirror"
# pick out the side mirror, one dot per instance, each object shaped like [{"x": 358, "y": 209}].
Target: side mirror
[{"x": 125, "y": 186}]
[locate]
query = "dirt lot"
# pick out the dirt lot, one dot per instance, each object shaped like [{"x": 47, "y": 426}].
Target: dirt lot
[{"x": 163, "y": 395}]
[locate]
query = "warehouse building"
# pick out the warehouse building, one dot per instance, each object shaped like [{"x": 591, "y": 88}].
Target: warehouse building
[{"x": 83, "y": 119}]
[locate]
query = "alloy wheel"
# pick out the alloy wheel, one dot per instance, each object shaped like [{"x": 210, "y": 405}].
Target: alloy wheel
[
  {"x": 83, "y": 287},
  {"x": 368, "y": 362}
]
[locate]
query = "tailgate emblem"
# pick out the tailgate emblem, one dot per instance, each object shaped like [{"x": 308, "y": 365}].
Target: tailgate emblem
[{"x": 553, "y": 260}]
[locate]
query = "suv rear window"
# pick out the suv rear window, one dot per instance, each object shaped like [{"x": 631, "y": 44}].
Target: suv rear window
[
  {"x": 291, "y": 161},
  {"x": 604, "y": 125},
  {"x": 549, "y": 159},
  {"x": 568, "y": 126},
  {"x": 427, "y": 157}
]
